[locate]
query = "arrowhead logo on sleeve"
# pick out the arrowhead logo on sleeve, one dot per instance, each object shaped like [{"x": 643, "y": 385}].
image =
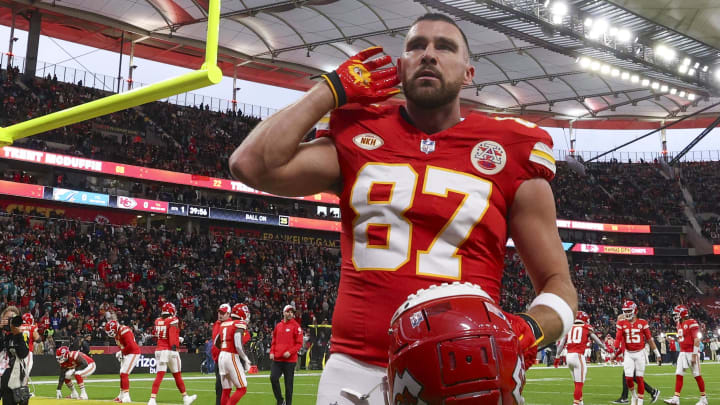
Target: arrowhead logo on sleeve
[{"x": 488, "y": 157}]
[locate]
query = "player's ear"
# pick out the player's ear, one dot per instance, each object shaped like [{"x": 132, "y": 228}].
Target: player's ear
[{"x": 469, "y": 73}]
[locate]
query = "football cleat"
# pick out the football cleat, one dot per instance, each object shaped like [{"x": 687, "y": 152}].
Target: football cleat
[
  {"x": 702, "y": 401},
  {"x": 189, "y": 399},
  {"x": 673, "y": 401},
  {"x": 152, "y": 402},
  {"x": 452, "y": 343},
  {"x": 655, "y": 395}
]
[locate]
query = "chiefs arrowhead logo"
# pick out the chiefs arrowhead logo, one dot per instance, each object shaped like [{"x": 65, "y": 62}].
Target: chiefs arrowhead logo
[{"x": 406, "y": 390}]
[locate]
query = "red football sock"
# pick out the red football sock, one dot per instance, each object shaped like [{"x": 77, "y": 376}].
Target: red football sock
[
  {"x": 678, "y": 384},
  {"x": 237, "y": 395},
  {"x": 641, "y": 386},
  {"x": 577, "y": 395},
  {"x": 629, "y": 382},
  {"x": 68, "y": 383},
  {"x": 124, "y": 382},
  {"x": 179, "y": 382},
  {"x": 79, "y": 379},
  {"x": 225, "y": 396},
  {"x": 701, "y": 384},
  {"x": 156, "y": 384}
]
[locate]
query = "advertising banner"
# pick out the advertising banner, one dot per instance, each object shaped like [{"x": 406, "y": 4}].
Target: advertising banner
[
  {"x": 80, "y": 197},
  {"x": 618, "y": 250}
]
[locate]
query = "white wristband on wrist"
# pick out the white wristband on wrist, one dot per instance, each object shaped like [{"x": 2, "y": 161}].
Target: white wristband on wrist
[{"x": 559, "y": 305}]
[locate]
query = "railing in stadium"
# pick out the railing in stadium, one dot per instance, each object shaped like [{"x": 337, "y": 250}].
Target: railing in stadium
[
  {"x": 107, "y": 83},
  {"x": 636, "y": 157}
]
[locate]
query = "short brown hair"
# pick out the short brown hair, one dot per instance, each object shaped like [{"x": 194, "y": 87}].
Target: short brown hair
[{"x": 443, "y": 18}]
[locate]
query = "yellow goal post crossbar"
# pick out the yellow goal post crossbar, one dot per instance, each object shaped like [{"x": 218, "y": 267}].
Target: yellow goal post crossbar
[{"x": 208, "y": 74}]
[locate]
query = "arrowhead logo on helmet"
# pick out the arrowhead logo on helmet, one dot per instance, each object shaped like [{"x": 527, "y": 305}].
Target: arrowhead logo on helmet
[{"x": 448, "y": 343}]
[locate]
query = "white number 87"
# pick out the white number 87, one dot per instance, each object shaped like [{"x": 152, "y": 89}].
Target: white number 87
[{"x": 441, "y": 258}]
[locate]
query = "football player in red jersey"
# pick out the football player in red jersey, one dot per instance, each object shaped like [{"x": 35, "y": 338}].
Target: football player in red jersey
[
  {"x": 167, "y": 332},
  {"x": 223, "y": 315},
  {"x": 30, "y": 330},
  {"x": 632, "y": 334},
  {"x": 128, "y": 353},
  {"x": 232, "y": 361},
  {"x": 425, "y": 196},
  {"x": 576, "y": 342},
  {"x": 70, "y": 362},
  {"x": 688, "y": 333}
]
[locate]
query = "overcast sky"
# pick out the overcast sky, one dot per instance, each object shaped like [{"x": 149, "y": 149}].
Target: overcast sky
[{"x": 74, "y": 56}]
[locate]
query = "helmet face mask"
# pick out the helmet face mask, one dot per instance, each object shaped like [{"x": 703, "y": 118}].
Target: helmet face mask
[
  {"x": 452, "y": 343},
  {"x": 111, "y": 328},
  {"x": 680, "y": 312},
  {"x": 28, "y": 318},
  {"x": 629, "y": 309},
  {"x": 582, "y": 316},
  {"x": 168, "y": 308},
  {"x": 62, "y": 354}
]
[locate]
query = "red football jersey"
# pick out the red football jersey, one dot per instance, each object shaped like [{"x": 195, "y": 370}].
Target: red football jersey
[
  {"x": 72, "y": 361},
  {"x": 687, "y": 331},
  {"x": 632, "y": 334},
  {"x": 227, "y": 334},
  {"x": 578, "y": 338},
  {"x": 167, "y": 331},
  {"x": 29, "y": 332},
  {"x": 422, "y": 209},
  {"x": 125, "y": 340}
]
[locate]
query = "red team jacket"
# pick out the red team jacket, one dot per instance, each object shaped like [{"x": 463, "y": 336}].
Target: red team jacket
[
  {"x": 687, "y": 331},
  {"x": 167, "y": 332},
  {"x": 287, "y": 337},
  {"x": 632, "y": 335},
  {"x": 72, "y": 361},
  {"x": 422, "y": 209},
  {"x": 125, "y": 340}
]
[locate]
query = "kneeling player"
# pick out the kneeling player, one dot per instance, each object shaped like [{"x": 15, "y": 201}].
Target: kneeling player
[
  {"x": 232, "y": 361},
  {"x": 73, "y": 363},
  {"x": 576, "y": 342},
  {"x": 127, "y": 355}
]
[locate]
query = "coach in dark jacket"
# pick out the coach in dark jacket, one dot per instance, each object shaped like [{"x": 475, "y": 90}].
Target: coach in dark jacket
[
  {"x": 14, "y": 347},
  {"x": 286, "y": 342}
]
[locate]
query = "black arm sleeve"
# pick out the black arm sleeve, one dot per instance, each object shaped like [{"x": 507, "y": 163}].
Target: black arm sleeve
[
  {"x": 62, "y": 378},
  {"x": 20, "y": 345}
]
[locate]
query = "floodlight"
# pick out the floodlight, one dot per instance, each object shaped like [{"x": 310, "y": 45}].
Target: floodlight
[
  {"x": 625, "y": 76},
  {"x": 634, "y": 78},
  {"x": 595, "y": 65},
  {"x": 691, "y": 72},
  {"x": 673, "y": 91},
  {"x": 655, "y": 85},
  {"x": 691, "y": 97},
  {"x": 645, "y": 82},
  {"x": 683, "y": 69},
  {"x": 615, "y": 72},
  {"x": 585, "y": 62},
  {"x": 664, "y": 88},
  {"x": 623, "y": 36},
  {"x": 605, "y": 69}
]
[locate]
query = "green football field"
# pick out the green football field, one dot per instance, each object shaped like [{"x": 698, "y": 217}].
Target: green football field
[{"x": 545, "y": 386}]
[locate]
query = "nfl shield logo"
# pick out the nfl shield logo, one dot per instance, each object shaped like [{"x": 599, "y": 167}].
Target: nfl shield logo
[{"x": 427, "y": 146}]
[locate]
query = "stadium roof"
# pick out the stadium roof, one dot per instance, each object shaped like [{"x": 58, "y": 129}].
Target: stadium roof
[{"x": 525, "y": 64}]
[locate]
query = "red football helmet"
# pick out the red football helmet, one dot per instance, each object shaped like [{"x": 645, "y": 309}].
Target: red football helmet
[
  {"x": 111, "y": 328},
  {"x": 240, "y": 311},
  {"x": 629, "y": 309},
  {"x": 582, "y": 316},
  {"x": 28, "y": 318},
  {"x": 168, "y": 308},
  {"x": 62, "y": 354},
  {"x": 680, "y": 312},
  {"x": 451, "y": 344}
]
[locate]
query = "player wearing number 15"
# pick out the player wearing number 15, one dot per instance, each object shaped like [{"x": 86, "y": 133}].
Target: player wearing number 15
[
  {"x": 576, "y": 342},
  {"x": 632, "y": 334},
  {"x": 425, "y": 196}
]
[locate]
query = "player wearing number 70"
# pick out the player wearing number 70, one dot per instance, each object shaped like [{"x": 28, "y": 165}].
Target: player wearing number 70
[{"x": 426, "y": 197}]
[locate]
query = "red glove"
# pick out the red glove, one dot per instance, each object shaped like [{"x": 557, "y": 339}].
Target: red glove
[
  {"x": 357, "y": 81},
  {"x": 529, "y": 335}
]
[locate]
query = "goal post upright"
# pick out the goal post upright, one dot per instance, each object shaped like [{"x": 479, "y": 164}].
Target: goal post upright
[{"x": 208, "y": 74}]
